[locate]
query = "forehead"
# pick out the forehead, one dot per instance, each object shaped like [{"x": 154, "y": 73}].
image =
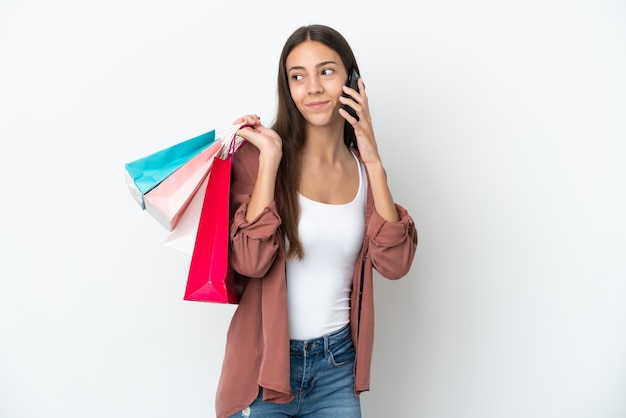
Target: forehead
[{"x": 310, "y": 54}]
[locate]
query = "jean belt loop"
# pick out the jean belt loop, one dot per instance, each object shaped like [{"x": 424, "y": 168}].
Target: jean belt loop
[{"x": 326, "y": 344}]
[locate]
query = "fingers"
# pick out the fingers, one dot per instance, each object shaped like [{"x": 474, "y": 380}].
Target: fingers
[
  {"x": 347, "y": 116},
  {"x": 356, "y": 93},
  {"x": 265, "y": 139},
  {"x": 249, "y": 133},
  {"x": 252, "y": 120},
  {"x": 355, "y": 105},
  {"x": 357, "y": 101},
  {"x": 254, "y": 131}
]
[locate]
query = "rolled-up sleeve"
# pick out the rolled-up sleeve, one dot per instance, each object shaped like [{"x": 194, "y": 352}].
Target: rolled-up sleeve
[
  {"x": 254, "y": 244},
  {"x": 392, "y": 245}
]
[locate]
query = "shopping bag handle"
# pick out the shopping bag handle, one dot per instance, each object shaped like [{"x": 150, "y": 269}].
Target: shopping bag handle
[{"x": 231, "y": 150}]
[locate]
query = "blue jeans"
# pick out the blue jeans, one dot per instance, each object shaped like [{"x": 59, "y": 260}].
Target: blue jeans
[{"x": 322, "y": 381}]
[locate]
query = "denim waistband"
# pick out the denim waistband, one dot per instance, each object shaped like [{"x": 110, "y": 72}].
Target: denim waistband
[{"x": 321, "y": 344}]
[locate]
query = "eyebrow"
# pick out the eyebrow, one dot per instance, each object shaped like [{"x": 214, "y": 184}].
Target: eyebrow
[{"x": 321, "y": 64}]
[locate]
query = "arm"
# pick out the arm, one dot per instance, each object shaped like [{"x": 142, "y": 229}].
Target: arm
[
  {"x": 270, "y": 149},
  {"x": 368, "y": 150},
  {"x": 254, "y": 219},
  {"x": 391, "y": 231}
]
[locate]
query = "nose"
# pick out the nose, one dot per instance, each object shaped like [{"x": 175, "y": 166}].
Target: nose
[{"x": 314, "y": 86}]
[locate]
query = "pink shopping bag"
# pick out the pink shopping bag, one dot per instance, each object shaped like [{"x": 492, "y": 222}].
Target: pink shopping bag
[{"x": 167, "y": 201}]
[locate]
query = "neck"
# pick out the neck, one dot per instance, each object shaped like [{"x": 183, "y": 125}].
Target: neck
[{"x": 324, "y": 143}]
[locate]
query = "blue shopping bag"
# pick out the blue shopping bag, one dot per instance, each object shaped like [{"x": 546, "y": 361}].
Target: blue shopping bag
[{"x": 144, "y": 174}]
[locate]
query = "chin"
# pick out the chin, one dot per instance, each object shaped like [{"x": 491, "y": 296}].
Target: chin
[
  {"x": 324, "y": 119},
  {"x": 318, "y": 120}
]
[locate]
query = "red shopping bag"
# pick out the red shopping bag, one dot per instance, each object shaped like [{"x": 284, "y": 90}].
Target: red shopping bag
[{"x": 210, "y": 273}]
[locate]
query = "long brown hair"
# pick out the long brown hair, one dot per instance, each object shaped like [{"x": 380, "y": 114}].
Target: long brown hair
[{"x": 290, "y": 126}]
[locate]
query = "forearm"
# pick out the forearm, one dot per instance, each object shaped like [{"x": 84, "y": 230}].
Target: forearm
[
  {"x": 383, "y": 201},
  {"x": 263, "y": 192}
]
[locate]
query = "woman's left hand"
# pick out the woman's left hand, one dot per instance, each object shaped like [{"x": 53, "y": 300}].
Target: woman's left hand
[
  {"x": 363, "y": 128},
  {"x": 364, "y": 131}
]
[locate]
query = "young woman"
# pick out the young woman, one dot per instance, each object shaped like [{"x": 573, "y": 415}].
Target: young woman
[{"x": 311, "y": 216}]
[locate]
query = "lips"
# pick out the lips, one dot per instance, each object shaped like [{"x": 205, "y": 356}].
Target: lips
[{"x": 316, "y": 105}]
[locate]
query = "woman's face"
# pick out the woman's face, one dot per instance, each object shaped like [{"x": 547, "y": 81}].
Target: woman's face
[{"x": 316, "y": 77}]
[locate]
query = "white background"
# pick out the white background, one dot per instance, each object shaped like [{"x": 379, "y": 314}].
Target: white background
[{"x": 503, "y": 130}]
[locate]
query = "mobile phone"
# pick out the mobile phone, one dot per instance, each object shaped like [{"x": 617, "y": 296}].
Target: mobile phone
[{"x": 353, "y": 77}]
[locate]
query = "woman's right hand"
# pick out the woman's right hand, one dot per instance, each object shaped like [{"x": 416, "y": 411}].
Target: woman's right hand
[
  {"x": 270, "y": 147},
  {"x": 268, "y": 142}
]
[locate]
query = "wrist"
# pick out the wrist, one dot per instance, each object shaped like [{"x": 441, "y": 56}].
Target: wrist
[
  {"x": 374, "y": 166},
  {"x": 270, "y": 158}
]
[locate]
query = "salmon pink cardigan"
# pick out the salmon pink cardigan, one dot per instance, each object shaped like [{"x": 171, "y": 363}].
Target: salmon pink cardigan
[{"x": 257, "y": 344}]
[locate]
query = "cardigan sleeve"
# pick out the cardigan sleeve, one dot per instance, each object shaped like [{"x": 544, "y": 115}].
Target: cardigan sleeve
[
  {"x": 253, "y": 245},
  {"x": 392, "y": 245}
]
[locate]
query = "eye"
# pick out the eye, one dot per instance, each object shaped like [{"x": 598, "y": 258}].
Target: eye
[
  {"x": 296, "y": 77},
  {"x": 327, "y": 71}
]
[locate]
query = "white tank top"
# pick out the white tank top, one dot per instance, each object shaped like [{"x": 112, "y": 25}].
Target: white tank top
[{"x": 319, "y": 285}]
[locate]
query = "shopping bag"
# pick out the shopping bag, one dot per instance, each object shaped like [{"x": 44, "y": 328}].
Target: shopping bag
[
  {"x": 144, "y": 174},
  {"x": 183, "y": 235},
  {"x": 168, "y": 200},
  {"x": 209, "y": 271},
  {"x": 210, "y": 278}
]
